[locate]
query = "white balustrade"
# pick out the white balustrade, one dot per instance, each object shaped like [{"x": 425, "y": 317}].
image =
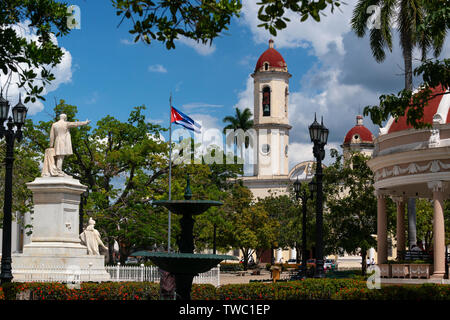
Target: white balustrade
[{"x": 48, "y": 273}]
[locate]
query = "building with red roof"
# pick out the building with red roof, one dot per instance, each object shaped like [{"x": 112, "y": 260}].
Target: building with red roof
[{"x": 414, "y": 163}]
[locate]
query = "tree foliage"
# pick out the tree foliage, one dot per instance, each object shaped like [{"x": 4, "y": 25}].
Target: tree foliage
[
  {"x": 351, "y": 203},
  {"x": 166, "y": 20},
  {"x": 31, "y": 60},
  {"x": 272, "y": 14},
  {"x": 248, "y": 225}
]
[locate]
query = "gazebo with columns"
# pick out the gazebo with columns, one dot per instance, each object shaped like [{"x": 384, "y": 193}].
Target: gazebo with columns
[{"x": 410, "y": 163}]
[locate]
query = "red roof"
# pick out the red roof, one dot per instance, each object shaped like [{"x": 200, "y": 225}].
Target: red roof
[
  {"x": 364, "y": 134},
  {"x": 272, "y": 56},
  {"x": 429, "y": 111}
]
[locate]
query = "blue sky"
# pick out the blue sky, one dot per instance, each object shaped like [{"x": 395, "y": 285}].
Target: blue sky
[
  {"x": 111, "y": 74},
  {"x": 333, "y": 73}
]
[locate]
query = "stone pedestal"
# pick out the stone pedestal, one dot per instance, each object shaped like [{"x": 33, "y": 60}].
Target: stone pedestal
[{"x": 55, "y": 243}]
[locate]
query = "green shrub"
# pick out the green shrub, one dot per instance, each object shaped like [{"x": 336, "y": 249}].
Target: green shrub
[
  {"x": 92, "y": 291},
  {"x": 251, "y": 291},
  {"x": 396, "y": 292},
  {"x": 203, "y": 292},
  {"x": 309, "y": 289},
  {"x": 10, "y": 290}
]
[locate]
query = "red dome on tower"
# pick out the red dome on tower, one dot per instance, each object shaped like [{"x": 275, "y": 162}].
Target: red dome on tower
[
  {"x": 359, "y": 133},
  {"x": 437, "y": 108},
  {"x": 271, "y": 60}
]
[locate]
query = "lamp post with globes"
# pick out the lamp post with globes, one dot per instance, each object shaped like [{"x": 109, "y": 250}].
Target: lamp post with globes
[
  {"x": 17, "y": 120},
  {"x": 319, "y": 137},
  {"x": 304, "y": 196}
]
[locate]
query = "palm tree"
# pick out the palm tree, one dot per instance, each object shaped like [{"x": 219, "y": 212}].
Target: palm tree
[
  {"x": 241, "y": 120},
  {"x": 407, "y": 15}
]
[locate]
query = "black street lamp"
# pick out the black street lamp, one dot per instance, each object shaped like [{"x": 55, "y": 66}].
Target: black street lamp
[
  {"x": 319, "y": 136},
  {"x": 304, "y": 196},
  {"x": 17, "y": 120}
]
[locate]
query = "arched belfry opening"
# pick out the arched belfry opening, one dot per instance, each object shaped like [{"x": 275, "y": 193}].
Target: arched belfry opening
[{"x": 266, "y": 102}]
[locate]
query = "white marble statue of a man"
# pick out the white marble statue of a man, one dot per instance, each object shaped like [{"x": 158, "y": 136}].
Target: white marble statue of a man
[
  {"x": 60, "y": 139},
  {"x": 91, "y": 239}
]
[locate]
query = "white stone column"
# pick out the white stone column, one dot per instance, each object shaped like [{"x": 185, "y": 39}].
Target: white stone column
[
  {"x": 438, "y": 229},
  {"x": 381, "y": 229}
]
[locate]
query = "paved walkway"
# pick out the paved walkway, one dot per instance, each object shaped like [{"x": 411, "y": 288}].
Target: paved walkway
[{"x": 235, "y": 277}]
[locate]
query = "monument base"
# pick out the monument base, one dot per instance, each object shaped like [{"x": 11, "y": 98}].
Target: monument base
[
  {"x": 62, "y": 268},
  {"x": 55, "y": 252}
]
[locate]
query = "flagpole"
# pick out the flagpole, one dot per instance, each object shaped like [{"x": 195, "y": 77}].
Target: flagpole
[{"x": 170, "y": 172}]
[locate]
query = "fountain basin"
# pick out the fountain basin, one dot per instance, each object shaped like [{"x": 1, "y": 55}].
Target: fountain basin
[{"x": 185, "y": 263}]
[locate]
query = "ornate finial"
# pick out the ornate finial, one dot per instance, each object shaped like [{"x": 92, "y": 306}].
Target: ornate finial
[
  {"x": 270, "y": 43},
  {"x": 187, "y": 191}
]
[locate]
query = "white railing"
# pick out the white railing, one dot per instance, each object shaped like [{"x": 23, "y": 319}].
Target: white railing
[
  {"x": 151, "y": 274},
  {"x": 46, "y": 273},
  {"x": 54, "y": 273}
]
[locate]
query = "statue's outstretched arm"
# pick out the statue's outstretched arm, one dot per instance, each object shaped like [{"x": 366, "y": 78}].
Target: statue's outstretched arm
[{"x": 78, "y": 123}]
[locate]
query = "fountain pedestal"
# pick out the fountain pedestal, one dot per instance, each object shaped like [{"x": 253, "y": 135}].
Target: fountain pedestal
[{"x": 186, "y": 265}]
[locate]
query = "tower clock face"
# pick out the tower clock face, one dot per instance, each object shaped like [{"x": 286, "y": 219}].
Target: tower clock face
[{"x": 265, "y": 148}]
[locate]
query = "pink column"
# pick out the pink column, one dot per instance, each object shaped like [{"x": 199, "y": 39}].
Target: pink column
[
  {"x": 401, "y": 244},
  {"x": 438, "y": 229},
  {"x": 381, "y": 229}
]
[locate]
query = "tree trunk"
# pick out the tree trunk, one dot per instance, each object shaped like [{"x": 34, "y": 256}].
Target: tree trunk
[
  {"x": 364, "y": 262},
  {"x": 245, "y": 263},
  {"x": 111, "y": 251},
  {"x": 406, "y": 39},
  {"x": 124, "y": 253}
]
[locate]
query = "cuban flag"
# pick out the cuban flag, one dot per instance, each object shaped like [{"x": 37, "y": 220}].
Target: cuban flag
[{"x": 180, "y": 118}]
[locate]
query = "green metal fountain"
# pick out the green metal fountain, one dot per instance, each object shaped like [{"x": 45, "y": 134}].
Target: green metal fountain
[{"x": 186, "y": 265}]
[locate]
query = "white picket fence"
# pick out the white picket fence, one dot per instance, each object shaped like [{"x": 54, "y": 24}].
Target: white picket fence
[
  {"x": 43, "y": 273},
  {"x": 53, "y": 273},
  {"x": 151, "y": 274}
]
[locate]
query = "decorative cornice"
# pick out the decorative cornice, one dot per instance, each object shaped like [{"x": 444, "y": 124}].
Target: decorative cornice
[
  {"x": 385, "y": 161},
  {"x": 413, "y": 168}
]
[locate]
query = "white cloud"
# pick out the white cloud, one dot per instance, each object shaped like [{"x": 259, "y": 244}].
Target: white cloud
[
  {"x": 318, "y": 35},
  {"x": 200, "y": 48},
  {"x": 157, "y": 68},
  {"x": 206, "y": 121},
  {"x": 299, "y": 152},
  {"x": 245, "y": 98}
]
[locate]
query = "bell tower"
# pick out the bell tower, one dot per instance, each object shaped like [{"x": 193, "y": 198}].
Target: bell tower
[{"x": 271, "y": 120}]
